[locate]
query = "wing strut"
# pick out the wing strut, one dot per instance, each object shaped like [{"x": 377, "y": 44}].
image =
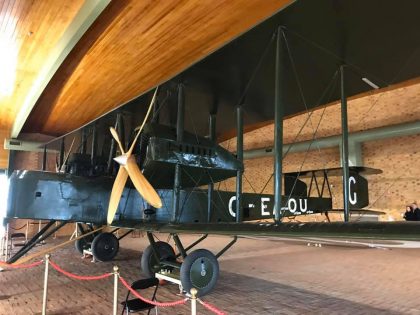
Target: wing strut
[
  {"x": 179, "y": 139},
  {"x": 344, "y": 146},
  {"x": 279, "y": 103}
]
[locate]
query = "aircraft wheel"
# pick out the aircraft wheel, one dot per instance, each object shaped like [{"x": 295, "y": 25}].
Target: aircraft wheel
[
  {"x": 149, "y": 264},
  {"x": 200, "y": 270},
  {"x": 105, "y": 246},
  {"x": 81, "y": 244}
]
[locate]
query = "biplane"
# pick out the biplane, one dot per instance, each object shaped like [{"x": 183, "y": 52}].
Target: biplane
[{"x": 174, "y": 161}]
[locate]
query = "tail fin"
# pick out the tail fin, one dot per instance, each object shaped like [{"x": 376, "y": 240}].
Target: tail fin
[{"x": 319, "y": 184}]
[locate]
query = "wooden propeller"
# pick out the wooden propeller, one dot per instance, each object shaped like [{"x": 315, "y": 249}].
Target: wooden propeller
[{"x": 129, "y": 168}]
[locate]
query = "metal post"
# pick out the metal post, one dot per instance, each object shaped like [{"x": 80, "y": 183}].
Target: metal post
[
  {"x": 155, "y": 118},
  {"x": 11, "y": 163},
  {"x": 112, "y": 150},
  {"x": 94, "y": 145},
  {"x": 62, "y": 148},
  {"x": 44, "y": 159},
  {"x": 180, "y": 114},
  {"x": 44, "y": 298},
  {"x": 179, "y": 139},
  {"x": 26, "y": 231},
  {"x": 84, "y": 141},
  {"x": 278, "y": 124},
  {"x": 240, "y": 157},
  {"x": 344, "y": 147},
  {"x": 193, "y": 293},
  {"x": 176, "y": 193},
  {"x": 115, "y": 306},
  {"x": 3, "y": 238},
  {"x": 7, "y": 241},
  {"x": 121, "y": 129},
  {"x": 210, "y": 189},
  {"x": 355, "y": 153}
]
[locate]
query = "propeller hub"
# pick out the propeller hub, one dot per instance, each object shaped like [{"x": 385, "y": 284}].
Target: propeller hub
[{"x": 122, "y": 159}]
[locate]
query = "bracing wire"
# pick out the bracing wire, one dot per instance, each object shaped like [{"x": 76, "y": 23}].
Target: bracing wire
[{"x": 354, "y": 67}]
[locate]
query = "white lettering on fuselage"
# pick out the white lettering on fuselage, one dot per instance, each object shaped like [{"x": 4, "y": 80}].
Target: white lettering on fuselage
[
  {"x": 231, "y": 200},
  {"x": 352, "y": 198},
  {"x": 302, "y": 207},
  {"x": 264, "y": 206},
  {"x": 292, "y": 206}
]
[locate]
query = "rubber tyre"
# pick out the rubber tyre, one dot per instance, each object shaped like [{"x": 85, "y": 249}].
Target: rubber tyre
[
  {"x": 81, "y": 244},
  {"x": 148, "y": 261},
  {"x": 199, "y": 270},
  {"x": 105, "y": 246}
]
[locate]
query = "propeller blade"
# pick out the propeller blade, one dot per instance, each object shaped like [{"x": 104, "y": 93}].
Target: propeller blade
[
  {"x": 116, "y": 138},
  {"x": 144, "y": 122},
  {"x": 142, "y": 185},
  {"x": 116, "y": 192}
]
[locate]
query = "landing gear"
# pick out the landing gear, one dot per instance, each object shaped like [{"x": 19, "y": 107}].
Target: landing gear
[
  {"x": 84, "y": 243},
  {"x": 81, "y": 244},
  {"x": 105, "y": 246},
  {"x": 150, "y": 264},
  {"x": 200, "y": 270},
  {"x": 102, "y": 246}
]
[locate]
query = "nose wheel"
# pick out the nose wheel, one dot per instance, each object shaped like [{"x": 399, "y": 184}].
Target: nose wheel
[{"x": 200, "y": 270}]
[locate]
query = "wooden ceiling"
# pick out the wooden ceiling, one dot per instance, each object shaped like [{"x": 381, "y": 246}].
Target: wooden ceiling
[
  {"x": 132, "y": 47},
  {"x": 28, "y": 32}
]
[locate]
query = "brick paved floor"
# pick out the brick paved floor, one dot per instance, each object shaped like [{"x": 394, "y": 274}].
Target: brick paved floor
[{"x": 257, "y": 277}]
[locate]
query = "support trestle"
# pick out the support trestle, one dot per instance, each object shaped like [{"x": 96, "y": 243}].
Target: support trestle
[{"x": 36, "y": 239}]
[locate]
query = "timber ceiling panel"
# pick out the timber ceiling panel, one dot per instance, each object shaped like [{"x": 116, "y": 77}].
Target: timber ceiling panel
[
  {"x": 28, "y": 32},
  {"x": 132, "y": 47}
]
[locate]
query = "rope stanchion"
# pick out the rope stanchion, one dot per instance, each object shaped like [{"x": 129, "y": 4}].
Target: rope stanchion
[
  {"x": 115, "y": 304},
  {"x": 117, "y": 276},
  {"x": 45, "y": 293},
  {"x": 211, "y": 307},
  {"x": 5, "y": 264},
  {"x": 74, "y": 276},
  {"x": 137, "y": 295},
  {"x": 193, "y": 293}
]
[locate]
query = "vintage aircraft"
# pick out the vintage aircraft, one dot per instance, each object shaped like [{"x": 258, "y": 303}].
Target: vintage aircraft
[
  {"x": 174, "y": 160},
  {"x": 82, "y": 194}
]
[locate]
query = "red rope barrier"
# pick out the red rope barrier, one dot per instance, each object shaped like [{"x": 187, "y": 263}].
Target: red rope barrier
[
  {"x": 3, "y": 263},
  {"x": 72, "y": 275},
  {"x": 211, "y": 307},
  {"x": 136, "y": 294}
]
